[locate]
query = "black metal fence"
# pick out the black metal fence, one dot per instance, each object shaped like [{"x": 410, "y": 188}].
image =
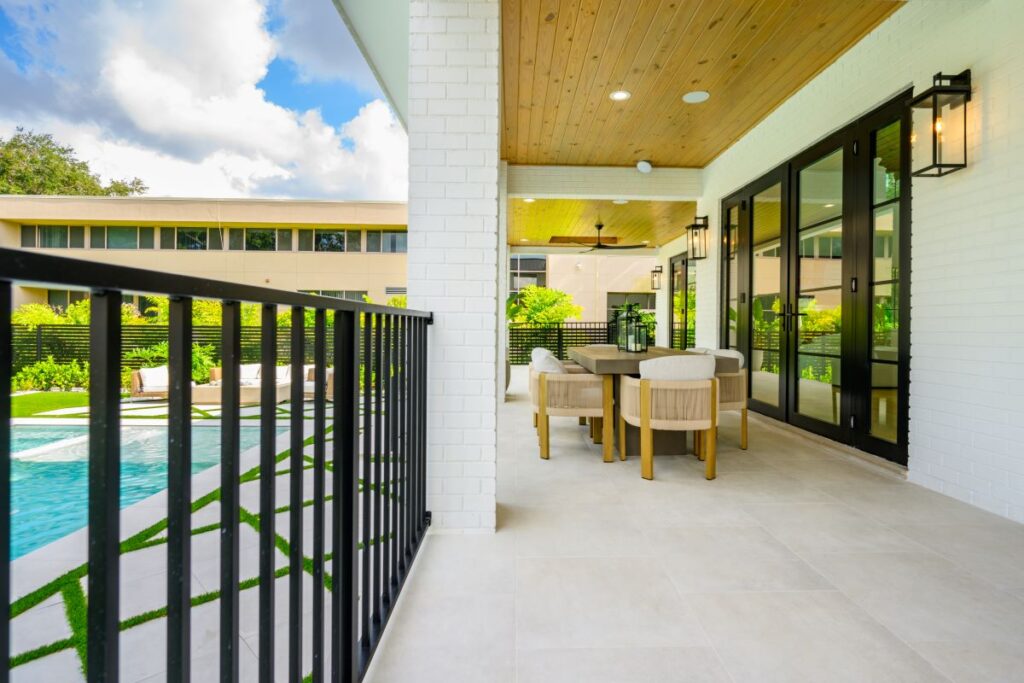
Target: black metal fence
[
  {"x": 558, "y": 337},
  {"x": 377, "y": 469}
]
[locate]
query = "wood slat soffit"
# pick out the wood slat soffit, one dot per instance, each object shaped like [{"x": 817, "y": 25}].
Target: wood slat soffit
[{"x": 562, "y": 59}]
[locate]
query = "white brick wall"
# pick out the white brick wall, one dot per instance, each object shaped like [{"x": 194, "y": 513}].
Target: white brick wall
[
  {"x": 967, "y": 331},
  {"x": 453, "y": 246}
]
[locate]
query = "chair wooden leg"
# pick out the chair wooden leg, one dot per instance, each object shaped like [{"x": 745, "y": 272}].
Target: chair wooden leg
[
  {"x": 545, "y": 437},
  {"x": 535, "y": 420},
  {"x": 743, "y": 429},
  {"x": 583, "y": 422},
  {"x": 598, "y": 430},
  {"x": 590, "y": 427},
  {"x": 608, "y": 420},
  {"x": 709, "y": 456},
  {"x": 622, "y": 438},
  {"x": 646, "y": 433},
  {"x": 701, "y": 439}
]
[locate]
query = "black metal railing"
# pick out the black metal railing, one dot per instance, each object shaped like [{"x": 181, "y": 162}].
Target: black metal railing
[
  {"x": 557, "y": 337},
  {"x": 375, "y": 427}
]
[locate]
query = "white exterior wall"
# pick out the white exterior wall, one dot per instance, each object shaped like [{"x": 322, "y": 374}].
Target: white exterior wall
[
  {"x": 967, "y": 327},
  {"x": 453, "y": 246}
]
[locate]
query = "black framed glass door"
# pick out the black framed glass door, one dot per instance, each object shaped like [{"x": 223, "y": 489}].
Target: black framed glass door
[
  {"x": 814, "y": 262},
  {"x": 682, "y": 302}
]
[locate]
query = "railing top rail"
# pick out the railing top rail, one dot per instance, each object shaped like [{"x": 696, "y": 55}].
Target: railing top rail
[{"x": 28, "y": 267}]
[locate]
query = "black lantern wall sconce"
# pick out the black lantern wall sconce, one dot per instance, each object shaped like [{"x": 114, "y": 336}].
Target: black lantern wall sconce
[
  {"x": 938, "y": 136},
  {"x": 697, "y": 239},
  {"x": 656, "y": 278}
]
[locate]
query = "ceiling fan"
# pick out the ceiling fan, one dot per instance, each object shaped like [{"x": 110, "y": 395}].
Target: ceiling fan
[{"x": 598, "y": 244}]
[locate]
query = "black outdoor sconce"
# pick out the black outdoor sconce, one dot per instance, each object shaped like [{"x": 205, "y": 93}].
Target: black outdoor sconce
[
  {"x": 938, "y": 136},
  {"x": 656, "y": 278},
  {"x": 697, "y": 239}
]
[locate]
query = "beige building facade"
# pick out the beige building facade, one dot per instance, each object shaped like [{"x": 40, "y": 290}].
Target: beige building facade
[{"x": 341, "y": 248}]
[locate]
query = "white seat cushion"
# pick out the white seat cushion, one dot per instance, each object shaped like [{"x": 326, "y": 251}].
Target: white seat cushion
[
  {"x": 678, "y": 368},
  {"x": 284, "y": 373},
  {"x": 154, "y": 379},
  {"x": 699, "y": 349},
  {"x": 549, "y": 364},
  {"x": 538, "y": 353},
  {"x": 249, "y": 372},
  {"x": 730, "y": 353}
]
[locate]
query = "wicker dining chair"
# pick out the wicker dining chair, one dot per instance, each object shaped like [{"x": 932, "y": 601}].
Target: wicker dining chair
[
  {"x": 556, "y": 392},
  {"x": 733, "y": 390},
  {"x": 673, "y": 393}
]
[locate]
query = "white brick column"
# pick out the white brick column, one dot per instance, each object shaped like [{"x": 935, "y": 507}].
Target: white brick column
[{"x": 453, "y": 246}]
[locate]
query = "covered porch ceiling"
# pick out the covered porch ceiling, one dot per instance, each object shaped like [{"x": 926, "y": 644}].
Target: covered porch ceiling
[
  {"x": 569, "y": 223},
  {"x": 562, "y": 59}
]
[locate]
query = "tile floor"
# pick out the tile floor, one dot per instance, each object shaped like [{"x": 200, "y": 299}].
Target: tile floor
[{"x": 799, "y": 563}]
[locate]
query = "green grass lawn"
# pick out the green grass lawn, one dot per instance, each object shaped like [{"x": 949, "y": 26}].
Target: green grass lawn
[{"x": 28, "y": 405}]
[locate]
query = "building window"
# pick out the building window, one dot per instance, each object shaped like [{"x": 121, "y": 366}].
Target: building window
[
  {"x": 216, "y": 238},
  {"x": 192, "y": 239},
  {"x": 284, "y": 240},
  {"x": 60, "y": 299},
  {"x": 644, "y": 299},
  {"x": 52, "y": 236},
  {"x": 305, "y": 240},
  {"x": 350, "y": 294},
  {"x": 28, "y": 236},
  {"x": 353, "y": 240},
  {"x": 395, "y": 291},
  {"x": 386, "y": 241},
  {"x": 260, "y": 240},
  {"x": 122, "y": 238},
  {"x": 525, "y": 270},
  {"x": 330, "y": 240}
]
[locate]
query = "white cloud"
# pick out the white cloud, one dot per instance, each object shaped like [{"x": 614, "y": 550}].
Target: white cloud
[
  {"x": 309, "y": 38},
  {"x": 168, "y": 92}
]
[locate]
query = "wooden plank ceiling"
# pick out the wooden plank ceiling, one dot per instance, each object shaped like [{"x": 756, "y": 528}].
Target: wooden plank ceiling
[
  {"x": 562, "y": 58},
  {"x": 561, "y": 222}
]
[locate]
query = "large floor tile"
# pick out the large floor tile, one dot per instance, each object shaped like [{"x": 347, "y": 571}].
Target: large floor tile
[
  {"x": 595, "y": 531},
  {"x": 804, "y": 636},
  {"x": 443, "y": 639},
  {"x": 976, "y": 662},
  {"x": 923, "y": 597},
  {"x": 827, "y": 527},
  {"x": 621, "y": 665},
  {"x": 599, "y": 602}
]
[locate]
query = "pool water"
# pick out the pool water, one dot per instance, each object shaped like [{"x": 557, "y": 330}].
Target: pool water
[{"x": 49, "y": 475}]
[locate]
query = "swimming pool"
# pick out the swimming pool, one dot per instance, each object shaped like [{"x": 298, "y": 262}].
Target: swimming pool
[{"x": 49, "y": 474}]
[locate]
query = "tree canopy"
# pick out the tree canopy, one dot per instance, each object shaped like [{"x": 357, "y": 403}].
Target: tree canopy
[
  {"x": 540, "y": 305},
  {"x": 32, "y": 163}
]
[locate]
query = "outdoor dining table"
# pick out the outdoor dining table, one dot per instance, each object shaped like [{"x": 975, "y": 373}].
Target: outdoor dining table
[{"x": 607, "y": 360}]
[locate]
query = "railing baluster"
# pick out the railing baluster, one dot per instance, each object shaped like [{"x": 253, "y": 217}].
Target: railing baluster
[
  {"x": 396, "y": 444},
  {"x": 268, "y": 482},
  {"x": 365, "y": 600},
  {"x": 104, "y": 485},
  {"x": 403, "y": 450},
  {"x": 378, "y": 453},
  {"x": 179, "y": 489},
  {"x": 6, "y": 361},
  {"x": 295, "y": 500},
  {"x": 319, "y": 458},
  {"x": 384, "y": 458},
  {"x": 230, "y": 471},
  {"x": 345, "y": 624}
]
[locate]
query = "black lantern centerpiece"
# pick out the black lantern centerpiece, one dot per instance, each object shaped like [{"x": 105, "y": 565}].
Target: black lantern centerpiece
[
  {"x": 938, "y": 138},
  {"x": 697, "y": 239},
  {"x": 632, "y": 332}
]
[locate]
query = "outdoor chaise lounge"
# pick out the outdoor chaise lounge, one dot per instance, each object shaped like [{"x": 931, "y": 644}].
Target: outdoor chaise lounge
[
  {"x": 150, "y": 383},
  {"x": 249, "y": 380}
]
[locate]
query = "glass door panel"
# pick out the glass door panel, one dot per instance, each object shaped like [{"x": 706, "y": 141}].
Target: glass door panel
[
  {"x": 732, "y": 308},
  {"x": 885, "y": 280},
  {"x": 820, "y": 289},
  {"x": 766, "y": 295},
  {"x": 691, "y": 308},
  {"x": 678, "y": 294}
]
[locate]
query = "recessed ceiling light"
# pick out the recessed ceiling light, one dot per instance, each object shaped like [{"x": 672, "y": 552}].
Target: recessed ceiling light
[
  {"x": 620, "y": 95},
  {"x": 646, "y": 242},
  {"x": 644, "y": 166},
  {"x": 529, "y": 200},
  {"x": 523, "y": 239},
  {"x": 696, "y": 96},
  {"x": 620, "y": 201}
]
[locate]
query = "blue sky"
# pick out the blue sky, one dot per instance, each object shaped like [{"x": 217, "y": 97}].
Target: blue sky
[{"x": 232, "y": 98}]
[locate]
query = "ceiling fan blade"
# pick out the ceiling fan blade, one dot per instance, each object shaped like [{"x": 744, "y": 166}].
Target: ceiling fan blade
[{"x": 624, "y": 246}]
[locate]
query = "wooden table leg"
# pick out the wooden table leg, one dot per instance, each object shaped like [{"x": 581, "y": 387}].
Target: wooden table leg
[{"x": 608, "y": 420}]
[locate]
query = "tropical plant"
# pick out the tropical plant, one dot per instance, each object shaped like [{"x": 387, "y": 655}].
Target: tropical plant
[
  {"x": 203, "y": 358},
  {"x": 541, "y": 306}
]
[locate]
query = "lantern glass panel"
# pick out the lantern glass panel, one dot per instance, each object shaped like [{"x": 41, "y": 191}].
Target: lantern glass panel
[{"x": 939, "y": 136}]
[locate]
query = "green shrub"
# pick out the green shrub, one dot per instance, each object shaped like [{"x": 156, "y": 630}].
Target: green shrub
[
  {"x": 48, "y": 374},
  {"x": 156, "y": 355}
]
